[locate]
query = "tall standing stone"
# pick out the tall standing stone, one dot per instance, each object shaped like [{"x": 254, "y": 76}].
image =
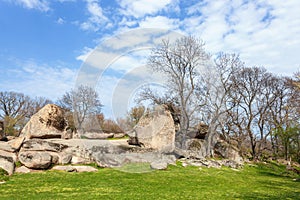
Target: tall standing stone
[{"x": 156, "y": 130}]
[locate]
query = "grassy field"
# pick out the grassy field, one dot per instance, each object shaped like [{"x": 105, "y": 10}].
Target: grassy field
[{"x": 259, "y": 181}]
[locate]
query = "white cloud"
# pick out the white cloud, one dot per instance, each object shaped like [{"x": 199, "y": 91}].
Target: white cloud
[
  {"x": 159, "y": 21},
  {"x": 97, "y": 19},
  {"x": 36, "y": 79},
  {"x": 41, "y": 5},
  {"x": 265, "y": 33},
  {"x": 139, "y": 8},
  {"x": 60, "y": 21}
]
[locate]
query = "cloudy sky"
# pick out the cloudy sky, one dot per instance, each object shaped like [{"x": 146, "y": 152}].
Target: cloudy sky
[{"x": 46, "y": 44}]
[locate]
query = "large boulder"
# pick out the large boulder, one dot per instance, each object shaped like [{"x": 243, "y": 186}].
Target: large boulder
[
  {"x": 49, "y": 122},
  {"x": 35, "y": 159},
  {"x": 228, "y": 151},
  {"x": 156, "y": 130}
]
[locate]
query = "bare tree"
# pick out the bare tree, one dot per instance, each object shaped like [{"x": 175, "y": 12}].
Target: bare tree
[
  {"x": 17, "y": 108},
  {"x": 134, "y": 115},
  {"x": 217, "y": 84},
  {"x": 180, "y": 63},
  {"x": 83, "y": 102},
  {"x": 13, "y": 109}
]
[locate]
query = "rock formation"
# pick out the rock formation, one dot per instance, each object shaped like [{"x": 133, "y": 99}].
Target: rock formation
[{"x": 42, "y": 144}]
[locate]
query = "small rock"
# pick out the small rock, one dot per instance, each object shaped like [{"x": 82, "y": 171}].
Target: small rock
[
  {"x": 85, "y": 169},
  {"x": 23, "y": 170},
  {"x": 65, "y": 168},
  {"x": 159, "y": 165}
]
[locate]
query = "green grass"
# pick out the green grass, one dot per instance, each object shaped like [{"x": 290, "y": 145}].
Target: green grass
[{"x": 259, "y": 181}]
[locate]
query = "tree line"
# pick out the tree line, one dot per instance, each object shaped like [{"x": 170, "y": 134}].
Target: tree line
[{"x": 248, "y": 106}]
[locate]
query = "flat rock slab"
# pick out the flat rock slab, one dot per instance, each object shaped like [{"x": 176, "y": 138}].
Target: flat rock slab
[
  {"x": 9, "y": 154},
  {"x": 118, "y": 160},
  {"x": 69, "y": 168},
  {"x": 42, "y": 145}
]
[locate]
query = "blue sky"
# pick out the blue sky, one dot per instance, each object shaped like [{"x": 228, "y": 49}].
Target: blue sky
[{"x": 44, "y": 43}]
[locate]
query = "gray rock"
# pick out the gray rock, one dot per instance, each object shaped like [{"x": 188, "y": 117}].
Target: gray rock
[
  {"x": 194, "y": 148},
  {"x": 160, "y": 165},
  {"x": 225, "y": 150},
  {"x": 7, "y": 163},
  {"x": 117, "y": 160},
  {"x": 85, "y": 169},
  {"x": 35, "y": 159},
  {"x": 23, "y": 170},
  {"x": 231, "y": 163},
  {"x": 9, "y": 154},
  {"x": 80, "y": 160},
  {"x": 65, "y": 158},
  {"x": 98, "y": 135},
  {"x": 42, "y": 145},
  {"x": 68, "y": 168}
]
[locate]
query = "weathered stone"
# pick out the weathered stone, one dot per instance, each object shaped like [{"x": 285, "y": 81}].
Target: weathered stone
[
  {"x": 65, "y": 158},
  {"x": 42, "y": 145},
  {"x": 9, "y": 154},
  {"x": 117, "y": 160},
  {"x": 98, "y": 135},
  {"x": 16, "y": 143},
  {"x": 80, "y": 160},
  {"x": 35, "y": 159},
  {"x": 7, "y": 163},
  {"x": 68, "y": 168},
  {"x": 194, "y": 148},
  {"x": 231, "y": 163},
  {"x": 23, "y": 170},
  {"x": 49, "y": 122},
  {"x": 68, "y": 134},
  {"x": 119, "y": 135},
  {"x": 85, "y": 169},
  {"x": 156, "y": 130},
  {"x": 160, "y": 165},
  {"x": 6, "y": 147},
  {"x": 225, "y": 150}
]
